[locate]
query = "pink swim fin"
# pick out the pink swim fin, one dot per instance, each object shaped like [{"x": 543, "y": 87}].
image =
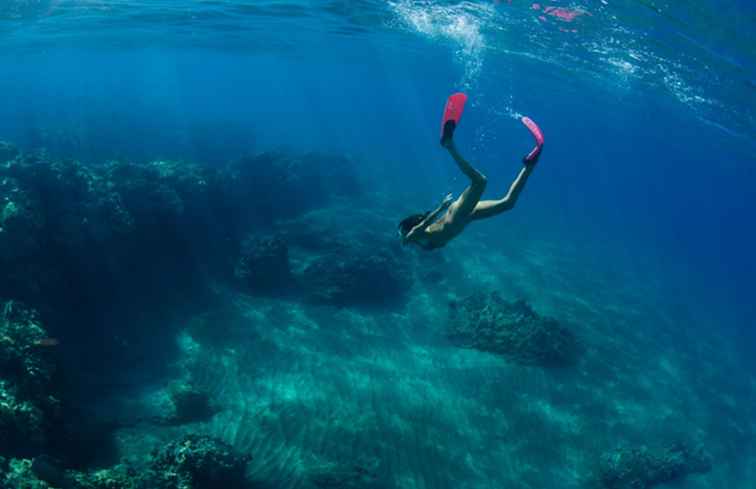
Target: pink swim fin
[
  {"x": 452, "y": 114},
  {"x": 532, "y": 157}
]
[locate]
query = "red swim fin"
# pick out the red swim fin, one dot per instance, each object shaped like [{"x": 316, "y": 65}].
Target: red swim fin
[
  {"x": 455, "y": 104},
  {"x": 532, "y": 157}
]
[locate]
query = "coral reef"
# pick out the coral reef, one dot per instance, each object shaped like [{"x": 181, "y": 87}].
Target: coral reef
[
  {"x": 263, "y": 264},
  {"x": 198, "y": 462},
  {"x": 489, "y": 323},
  {"x": 27, "y": 401},
  {"x": 643, "y": 468}
]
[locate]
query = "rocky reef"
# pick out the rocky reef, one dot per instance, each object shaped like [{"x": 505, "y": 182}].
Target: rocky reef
[
  {"x": 115, "y": 256},
  {"x": 190, "y": 462},
  {"x": 198, "y": 462},
  {"x": 514, "y": 330},
  {"x": 356, "y": 277},
  {"x": 28, "y": 403},
  {"x": 644, "y": 468},
  {"x": 105, "y": 232},
  {"x": 94, "y": 244},
  {"x": 102, "y": 265}
]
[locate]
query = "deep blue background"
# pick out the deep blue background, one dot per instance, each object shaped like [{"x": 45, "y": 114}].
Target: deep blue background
[{"x": 628, "y": 169}]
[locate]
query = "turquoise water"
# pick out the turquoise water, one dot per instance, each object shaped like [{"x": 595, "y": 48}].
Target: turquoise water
[{"x": 635, "y": 230}]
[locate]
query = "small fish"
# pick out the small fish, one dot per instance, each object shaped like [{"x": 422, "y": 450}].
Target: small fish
[{"x": 47, "y": 342}]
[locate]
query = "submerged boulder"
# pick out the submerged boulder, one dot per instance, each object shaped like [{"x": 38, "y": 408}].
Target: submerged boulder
[
  {"x": 198, "y": 462},
  {"x": 644, "y": 468},
  {"x": 514, "y": 330},
  {"x": 356, "y": 277}
]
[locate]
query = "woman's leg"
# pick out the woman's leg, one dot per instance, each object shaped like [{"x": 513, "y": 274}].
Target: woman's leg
[
  {"x": 465, "y": 203},
  {"x": 490, "y": 208}
]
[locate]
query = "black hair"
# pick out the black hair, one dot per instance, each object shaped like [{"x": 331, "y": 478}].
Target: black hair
[{"x": 410, "y": 222}]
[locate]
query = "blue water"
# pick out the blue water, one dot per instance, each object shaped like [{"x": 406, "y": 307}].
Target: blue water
[{"x": 647, "y": 184}]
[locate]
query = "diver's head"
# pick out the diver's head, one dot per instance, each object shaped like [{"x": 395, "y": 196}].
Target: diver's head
[{"x": 410, "y": 222}]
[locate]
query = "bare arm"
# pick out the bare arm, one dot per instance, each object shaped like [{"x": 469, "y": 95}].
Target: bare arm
[{"x": 430, "y": 218}]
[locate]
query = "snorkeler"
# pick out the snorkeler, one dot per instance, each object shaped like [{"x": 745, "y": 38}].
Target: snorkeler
[{"x": 428, "y": 230}]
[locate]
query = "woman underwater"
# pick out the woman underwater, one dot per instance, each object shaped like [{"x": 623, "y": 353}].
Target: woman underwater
[{"x": 428, "y": 230}]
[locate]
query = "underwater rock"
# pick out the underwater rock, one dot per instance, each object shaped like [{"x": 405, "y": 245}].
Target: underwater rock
[
  {"x": 45, "y": 473},
  {"x": 489, "y": 323},
  {"x": 198, "y": 462},
  {"x": 356, "y": 277},
  {"x": 263, "y": 264},
  {"x": 162, "y": 192},
  {"x": 50, "y": 209},
  {"x": 76, "y": 203},
  {"x": 120, "y": 232},
  {"x": 192, "y": 462},
  {"x": 18, "y": 474},
  {"x": 27, "y": 404},
  {"x": 643, "y": 468},
  {"x": 21, "y": 221},
  {"x": 118, "y": 243},
  {"x": 24, "y": 354},
  {"x": 116, "y": 256},
  {"x": 117, "y": 477}
]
